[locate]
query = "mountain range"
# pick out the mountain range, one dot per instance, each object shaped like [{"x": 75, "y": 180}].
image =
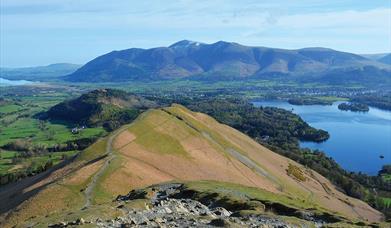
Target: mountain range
[
  {"x": 382, "y": 57},
  {"x": 227, "y": 60},
  {"x": 385, "y": 59},
  {"x": 39, "y": 73}
]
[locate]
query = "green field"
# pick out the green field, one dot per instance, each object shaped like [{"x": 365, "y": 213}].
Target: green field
[
  {"x": 49, "y": 134},
  {"x": 8, "y": 166},
  {"x": 6, "y": 109},
  {"x": 19, "y": 121},
  {"x": 387, "y": 202}
]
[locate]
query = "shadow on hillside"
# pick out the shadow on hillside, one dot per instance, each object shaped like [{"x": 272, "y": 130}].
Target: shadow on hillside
[{"x": 12, "y": 195}]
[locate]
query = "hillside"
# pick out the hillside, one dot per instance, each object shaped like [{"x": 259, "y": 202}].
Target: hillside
[
  {"x": 212, "y": 166},
  {"x": 385, "y": 59},
  {"x": 40, "y": 73},
  {"x": 108, "y": 107},
  {"x": 225, "y": 60}
]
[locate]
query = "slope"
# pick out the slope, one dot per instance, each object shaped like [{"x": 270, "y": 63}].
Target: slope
[
  {"x": 385, "y": 59},
  {"x": 175, "y": 144},
  {"x": 100, "y": 107}
]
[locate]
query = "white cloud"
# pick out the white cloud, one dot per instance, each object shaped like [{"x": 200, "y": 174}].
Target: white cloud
[
  {"x": 371, "y": 18},
  {"x": 116, "y": 24}
]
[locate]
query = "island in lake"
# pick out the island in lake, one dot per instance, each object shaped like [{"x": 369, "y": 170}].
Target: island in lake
[{"x": 354, "y": 107}]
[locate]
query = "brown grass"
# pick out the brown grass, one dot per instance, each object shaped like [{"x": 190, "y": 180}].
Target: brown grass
[
  {"x": 61, "y": 198},
  {"x": 122, "y": 139},
  {"x": 84, "y": 173}
]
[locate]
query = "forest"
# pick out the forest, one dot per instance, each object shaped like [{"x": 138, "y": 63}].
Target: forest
[{"x": 354, "y": 107}]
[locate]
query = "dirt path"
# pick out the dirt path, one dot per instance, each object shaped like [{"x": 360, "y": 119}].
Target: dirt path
[{"x": 110, "y": 156}]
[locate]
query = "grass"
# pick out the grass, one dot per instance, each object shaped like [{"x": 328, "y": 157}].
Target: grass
[
  {"x": 101, "y": 194},
  {"x": 53, "y": 133},
  {"x": 296, "y": 172},
  {"x": 4, "y": 154},
  {"x": 332, "y": 98},
  {"x": 17, "y": 122},
  {"x": 6, "y": 109},
  {"x": 94, "y": 151},
  {"x": 240, "y": 192},
  {"x": 182, "y": 112},
  {"x": 217, "y": 140},
  {"x": 6, "y": 161},
  {"x": 386, "y": 177},
  {"x": 236, "y": 193},
  {"x": 153, "y": 140},
  {"x": 7, "y": 166},
  {"x": 386, "y": 201}
]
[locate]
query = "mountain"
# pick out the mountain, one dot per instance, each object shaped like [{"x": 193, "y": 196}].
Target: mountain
[
  {"x": 374, "y": 56},
  {"x": 222, "y": 61},
  {"x": 108, "y": 107},
  {"x": 39, "y": 73},
  {"x": 385, "y": 59},
  {"x": 175, "y": 166}
]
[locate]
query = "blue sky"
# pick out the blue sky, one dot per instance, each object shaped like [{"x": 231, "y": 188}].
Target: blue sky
[{"x": 40, "y": 32}]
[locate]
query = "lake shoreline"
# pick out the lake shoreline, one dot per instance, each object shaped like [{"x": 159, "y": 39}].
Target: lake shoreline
[
  {"x": 357, "y": 140},
  {"x": 6, "y": 82}
]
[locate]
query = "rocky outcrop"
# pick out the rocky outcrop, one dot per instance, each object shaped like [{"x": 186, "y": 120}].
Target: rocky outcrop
[
  {"x": 168, "y": 212},
  {"x": 177, "y": 205},
  {"x": 168, "y": 206}
]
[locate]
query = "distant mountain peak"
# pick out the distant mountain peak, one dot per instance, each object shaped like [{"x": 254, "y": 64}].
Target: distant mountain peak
[
  {"x": 185, "y": 44},
  {"x": 316, "y": 49},
  {"x": 222, "y": 42}
]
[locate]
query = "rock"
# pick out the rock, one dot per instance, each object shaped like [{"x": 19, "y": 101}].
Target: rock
[
  {"x": 80, "y": 221},
  {"x": 58, "y": 225},
  {"x": 127, "y": 225},
  {"x": 144, "y": 223},
  {"x": 159, "y": 220},
  {"x": 220, "y": 211},
  {"x": 170, "y": 207},
  {"x": 167, "y": 210},
  {"x": 307, "y": 215},
  {"x": 180, "y": 209},
  {"x": 218, "y": 222},
  {"x": 132, "y": 195}
]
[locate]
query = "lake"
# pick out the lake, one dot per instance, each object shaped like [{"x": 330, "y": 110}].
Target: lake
[
  {"x": 6, "y": 82},
  {"x": 356, "y": 139}
]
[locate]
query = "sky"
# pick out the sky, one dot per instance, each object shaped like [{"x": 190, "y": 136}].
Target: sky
[{"x": 41, "y": 32}]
